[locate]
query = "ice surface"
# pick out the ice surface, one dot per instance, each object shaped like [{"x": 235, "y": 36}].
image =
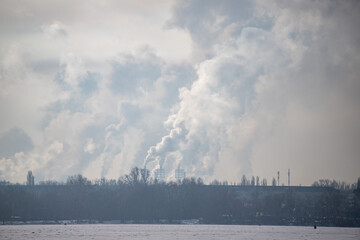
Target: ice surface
[{"x": 159, "y": 232}]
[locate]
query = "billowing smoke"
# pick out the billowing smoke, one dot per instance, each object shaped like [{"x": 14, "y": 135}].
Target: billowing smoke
[
  {"x": 206, "y": 133},
  {"x": 244, "y": 87},
  {"x": 168, "y": 144}
]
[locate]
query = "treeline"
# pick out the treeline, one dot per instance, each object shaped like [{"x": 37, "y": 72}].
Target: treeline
[
  {"x": 339, "y": 185},
  {"x": 137, "y": 198},
  {"x": 138, "y": 175}
]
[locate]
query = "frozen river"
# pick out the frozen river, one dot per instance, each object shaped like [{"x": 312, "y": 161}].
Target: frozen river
[{"x": 158, "y": 232}]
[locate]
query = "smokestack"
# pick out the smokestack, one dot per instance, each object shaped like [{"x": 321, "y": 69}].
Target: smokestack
[
  {"x": 289, "y": 177},
  {"x": 278, "y": 178}
]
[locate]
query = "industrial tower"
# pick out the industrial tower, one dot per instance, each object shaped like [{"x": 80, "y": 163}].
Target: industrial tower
[
  {"x": 179, "y": 174},
  {"x": 160, "y": 174}
]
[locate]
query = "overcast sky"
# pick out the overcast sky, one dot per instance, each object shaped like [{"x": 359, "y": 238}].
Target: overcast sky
[{"x": 221, "y": 88}]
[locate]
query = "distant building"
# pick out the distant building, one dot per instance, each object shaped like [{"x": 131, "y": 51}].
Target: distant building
[
  {"x": 289, "y": 177},
  {"x": 179, "y": 174},
  {"x": 160, "y": 174}
]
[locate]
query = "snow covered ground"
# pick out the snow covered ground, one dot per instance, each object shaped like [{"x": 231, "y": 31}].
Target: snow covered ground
[{"x": 159, "y": 232}]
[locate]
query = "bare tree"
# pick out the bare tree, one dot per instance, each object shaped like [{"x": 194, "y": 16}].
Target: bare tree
[
  {"x": 77, "y": 180},
  {"x": 273, "y": 182},
  {"x": 30, "y": 180},
  {"x": 145, "y": 175},
  {"x": 134, "y": 177},
  {"x": 243, "y": 180},
  {"x": 264, "y": 182}
]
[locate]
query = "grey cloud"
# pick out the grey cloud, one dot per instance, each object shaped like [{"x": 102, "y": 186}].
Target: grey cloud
[
  {"x": 132, "y": 75},
  {"x": 14, "y": 141},
  {"x": 174, "y": 78},
  {"x": 89, "y": 83},
  {"x": 134, "y": 90},
  {"x": 55, "y": 30},
  {"x": 131, "y": 112},
  {"x": 197, "y": 14},
  {"x": 297, "y": 62},
  {"x": 76, "y": 102},
  {"x": 97, "y": 134},
  {"x": 212, "y": 22},
  {"x": 270, "y": 85},
  {"x": 143, "y": 115},
  {"x": 47, "y": 66}
]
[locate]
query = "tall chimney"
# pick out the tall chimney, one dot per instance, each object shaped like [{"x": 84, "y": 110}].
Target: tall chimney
[{"x": 289, "y": 177}]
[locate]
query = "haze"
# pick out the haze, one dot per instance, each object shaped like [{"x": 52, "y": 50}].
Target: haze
[{"x": 220, "y": 88}]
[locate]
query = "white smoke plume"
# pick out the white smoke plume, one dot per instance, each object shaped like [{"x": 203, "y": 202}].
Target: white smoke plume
[
  {"x": 263, "y": 91},
  {"x": 207, "y": 129},
  {"x": 244, "y": 87},
  {"x": 168, "y": 144}
]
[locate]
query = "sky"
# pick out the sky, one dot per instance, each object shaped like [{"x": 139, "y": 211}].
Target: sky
[{"x": 217, "y": 88}]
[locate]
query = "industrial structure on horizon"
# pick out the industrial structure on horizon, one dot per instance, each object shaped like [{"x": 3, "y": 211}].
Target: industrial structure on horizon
[
  {"x": 160, "y": 174},
  {"x": 179, "y": 174}
]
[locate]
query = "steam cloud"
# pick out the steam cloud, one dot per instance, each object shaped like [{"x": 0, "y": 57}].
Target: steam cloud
[
  {"x": 209, "y": 119},
  {"x": 252, "y": 81},
  {"x": 236, "y": 87}
]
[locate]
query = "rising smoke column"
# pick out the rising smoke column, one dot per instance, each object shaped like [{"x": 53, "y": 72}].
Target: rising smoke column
[
  {"x": 207, "y": 128},
  {"x": 167, "y": 144}
]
